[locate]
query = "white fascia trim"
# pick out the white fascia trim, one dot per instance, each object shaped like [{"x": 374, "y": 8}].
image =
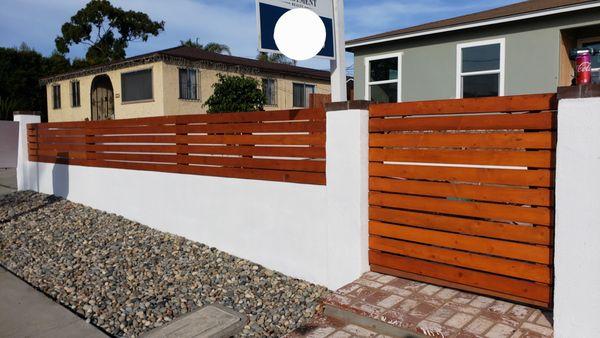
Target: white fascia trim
[
  {"x": 501, "y": 71},
  {"x": 479, "y": 24},
  {"x": 368, "y": 73}
]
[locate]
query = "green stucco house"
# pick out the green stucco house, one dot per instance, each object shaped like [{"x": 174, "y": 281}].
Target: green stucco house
[{"x": 517, "y": 49}]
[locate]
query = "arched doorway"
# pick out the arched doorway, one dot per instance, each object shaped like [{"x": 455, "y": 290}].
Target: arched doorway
[{"x": 102, "y": 98}]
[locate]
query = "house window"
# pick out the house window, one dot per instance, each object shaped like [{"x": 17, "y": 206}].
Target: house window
[
  {"x": 188, "y": 84},
  {"x": 269, "y": 87},
  {"x": 595, "y": 44},
  {"x": 383, "y": 78},
  {"x": 302, "y": 93},
  {"x": 75, "y": 95},
  {"x": 56, "y": 96},
  {"x": 480, "y": 69},
  {"x": 136, "y": 86}
]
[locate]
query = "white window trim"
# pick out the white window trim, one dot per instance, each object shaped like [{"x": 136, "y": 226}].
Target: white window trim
[
  {"x": 369, "y": 83},
  {"x": 501, "y": 71},
  {"x": 580, "y": 43}
]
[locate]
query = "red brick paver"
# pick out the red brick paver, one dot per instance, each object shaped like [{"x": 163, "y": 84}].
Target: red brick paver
[{"x": 433, "y": 311}]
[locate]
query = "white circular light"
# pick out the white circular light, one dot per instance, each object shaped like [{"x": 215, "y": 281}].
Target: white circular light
[{"x": 300, "y": 34}]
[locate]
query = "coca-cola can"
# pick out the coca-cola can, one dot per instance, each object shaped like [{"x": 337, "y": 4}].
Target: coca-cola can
[{"x": 584, "y": 67}]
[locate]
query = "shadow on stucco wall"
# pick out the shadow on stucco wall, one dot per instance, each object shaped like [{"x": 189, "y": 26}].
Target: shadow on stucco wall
[{"x": 60, "y": 176}]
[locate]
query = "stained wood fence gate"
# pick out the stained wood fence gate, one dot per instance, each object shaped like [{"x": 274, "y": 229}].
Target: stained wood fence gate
[{"x": 462, "y": 194}]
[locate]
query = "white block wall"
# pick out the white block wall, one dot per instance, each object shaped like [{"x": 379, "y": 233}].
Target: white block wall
[
  {"x": 577, "y": 236},
  {"x": 317, "y": 233},
  {"x": 26, "y": 171}
]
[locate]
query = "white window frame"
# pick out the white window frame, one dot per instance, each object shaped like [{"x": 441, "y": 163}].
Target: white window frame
[
  {"x": 580, "y": 43},
  {"x": 501, "y": 71},
  {"x": 369, "y": 83}
]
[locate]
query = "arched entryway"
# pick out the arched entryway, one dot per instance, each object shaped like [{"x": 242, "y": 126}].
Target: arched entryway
[{"x": 102, "y": 98}]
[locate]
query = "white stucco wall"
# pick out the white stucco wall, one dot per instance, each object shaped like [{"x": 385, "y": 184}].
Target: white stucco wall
[
  {"x": 26, "y": 170},
  {"x": 577, "y": 235},
  {"x": 278, "y": 225},
  {"x": 316, "y": 233},
  {"x": 348, "y": 188}
]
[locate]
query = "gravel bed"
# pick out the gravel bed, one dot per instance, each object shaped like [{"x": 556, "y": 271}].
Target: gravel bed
[{"x": 128, "y": 278}]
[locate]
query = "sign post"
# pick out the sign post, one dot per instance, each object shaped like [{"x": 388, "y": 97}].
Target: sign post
[
  {"x": 331, "y": 13},
  {"x": 338, "y": 65}
]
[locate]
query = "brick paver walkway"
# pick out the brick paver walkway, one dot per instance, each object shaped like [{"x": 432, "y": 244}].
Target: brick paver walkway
[{"x": 431, "y": 311}]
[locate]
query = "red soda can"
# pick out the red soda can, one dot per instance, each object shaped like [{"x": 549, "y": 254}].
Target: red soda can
[{"x": 584, "y": 67}]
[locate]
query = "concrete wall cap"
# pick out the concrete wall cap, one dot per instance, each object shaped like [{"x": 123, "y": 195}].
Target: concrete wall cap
[
  {"x": 347, "y": 105},
  {"x": 25, "y": 112},
  {"x": 579, "y": 92}
]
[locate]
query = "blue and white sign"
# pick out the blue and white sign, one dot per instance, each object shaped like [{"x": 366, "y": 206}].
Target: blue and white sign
[{"x": 269, "y": 12}]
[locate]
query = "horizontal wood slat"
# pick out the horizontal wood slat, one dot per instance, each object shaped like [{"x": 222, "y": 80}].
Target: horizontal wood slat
[
  {"x": 318, "y": 139},
  {"x": 519, "y": 251},
  {"x": 459, "y": 286},
  {"x": 527, "y": 291},
  {"x": 286, "y": 146},
  {"x": 534, "y": 272},
  {"x": 279, "y": 127},
  {"x": 467, "y": 106},
  {"x": 533, "y": 215},
  {"x": 249, "y": 117},
  {"x": 540, "y": 197},
  {"x": 540, "y": 140},
  {"x": 275, "y": 164},
  {"x": 536, "y": 159},
  {"x": 531, "y": 121},
  {"x": 462, "y": 193},
  {"x": 535, "y": 178},
  {"x": 302, "y": 152},
  {"x": 259, "y": 174},
  {"x": 519, "y": 233}
]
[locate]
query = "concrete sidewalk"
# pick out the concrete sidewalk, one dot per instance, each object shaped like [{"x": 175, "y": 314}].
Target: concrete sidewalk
[
  {"x": 8, "y": 181},
  {"x": 26, "y": 312}
]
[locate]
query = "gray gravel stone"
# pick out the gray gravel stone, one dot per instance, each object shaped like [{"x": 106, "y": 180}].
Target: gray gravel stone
[{"x": 128, "y": 278}]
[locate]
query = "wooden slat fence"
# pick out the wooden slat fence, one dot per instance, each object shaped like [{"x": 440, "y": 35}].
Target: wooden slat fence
[
  {"x": 287, "y": 145},
  {"x": 462, "y": 194}
]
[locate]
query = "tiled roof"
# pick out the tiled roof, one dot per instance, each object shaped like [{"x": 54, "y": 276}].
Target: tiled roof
[{"x": 196, "y": 54}]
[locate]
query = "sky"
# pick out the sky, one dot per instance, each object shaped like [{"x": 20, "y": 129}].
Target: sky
[{"x": 232, "y": 22}]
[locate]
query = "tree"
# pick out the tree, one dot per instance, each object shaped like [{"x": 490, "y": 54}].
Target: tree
[
  {"x": 276, "y": 58},
  {"x": 235, "y": 94},
  {"x": 212, "y": 47},
  {"x": 107, "y": 30},
  {"x": 20, "y": 72}
]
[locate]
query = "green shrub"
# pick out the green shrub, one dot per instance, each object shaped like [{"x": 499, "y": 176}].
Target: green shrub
[{"x": 235, "y": 94}]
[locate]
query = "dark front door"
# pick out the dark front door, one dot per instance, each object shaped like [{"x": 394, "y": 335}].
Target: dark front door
[{"x": 103, "y": 101}]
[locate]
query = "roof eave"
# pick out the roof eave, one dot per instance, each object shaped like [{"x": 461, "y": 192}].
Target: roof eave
[
  {"x": 353, "y": 44},
  {"x": 160, "y": 56}
]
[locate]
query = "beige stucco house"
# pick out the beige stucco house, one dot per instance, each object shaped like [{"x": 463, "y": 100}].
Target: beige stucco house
[{"x": 171, "y": 82}]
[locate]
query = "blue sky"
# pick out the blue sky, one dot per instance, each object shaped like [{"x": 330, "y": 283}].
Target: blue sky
[{"x": 37, "y": 22}]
